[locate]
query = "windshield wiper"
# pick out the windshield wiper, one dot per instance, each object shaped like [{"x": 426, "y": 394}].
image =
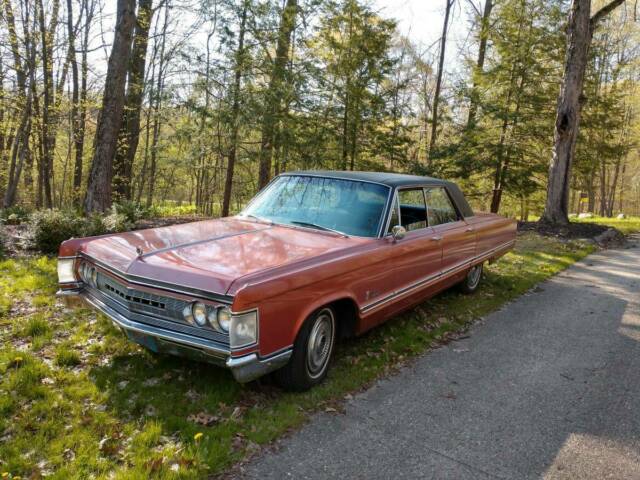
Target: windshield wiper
[{"x": 319, "y": 227}]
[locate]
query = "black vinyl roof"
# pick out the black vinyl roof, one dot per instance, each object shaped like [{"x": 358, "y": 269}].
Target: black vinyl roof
[
  {"x": 386, "y": 178},
  {"x": 394, "y": 180}
]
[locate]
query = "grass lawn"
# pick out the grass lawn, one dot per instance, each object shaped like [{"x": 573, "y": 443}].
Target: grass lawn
[
  {"x": 626, "y": 225},
  {"x": 78, "y": 401}
]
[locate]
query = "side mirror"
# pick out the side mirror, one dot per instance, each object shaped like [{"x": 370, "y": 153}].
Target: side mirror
[{"x": 398, "y": 232}]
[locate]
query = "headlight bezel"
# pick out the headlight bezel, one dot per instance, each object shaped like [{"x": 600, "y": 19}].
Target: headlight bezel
[
  {"x": 248, "y": 320},
  {"x": 66, "y": 269}
]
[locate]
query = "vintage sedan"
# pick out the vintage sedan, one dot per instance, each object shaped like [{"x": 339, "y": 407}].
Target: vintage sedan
[{"x": 313, "y": 257}]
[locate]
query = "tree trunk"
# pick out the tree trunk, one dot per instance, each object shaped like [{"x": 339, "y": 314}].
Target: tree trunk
[
  {"x": 47, "y": 126},
  {"x": 276, "y": 92},
  {"x": 482, "y": 52},
  {"x": 129, "y": 134},
  {"x": 235, "y": 113},
  {"x": 82, "y": 115},
  {"x": 98, "y": 197},
  {"x": 75, "y": 87},
  {"x": 579, "y": 34},
  {"x": 156, "y": 110},
  {"x": 436, "y": 96}
]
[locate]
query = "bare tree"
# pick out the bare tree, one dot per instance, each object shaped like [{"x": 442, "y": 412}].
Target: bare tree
[
  {"x": 579, "y": 34},
  {"x": 482, "y": 52},
  {"x": 98, "y": 197},
  {"x": 235, "y": 110},
  {"x": 436, "y": 96}
]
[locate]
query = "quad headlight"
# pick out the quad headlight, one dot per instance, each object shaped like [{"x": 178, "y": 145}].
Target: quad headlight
[
  {"x": 199, "y": 311},
  {"x": 241, "y": 327},
  {"x": 223, "y": 319}
]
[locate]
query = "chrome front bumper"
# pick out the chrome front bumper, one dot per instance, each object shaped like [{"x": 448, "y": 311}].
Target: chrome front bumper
[{"x": 245, "y": 368}]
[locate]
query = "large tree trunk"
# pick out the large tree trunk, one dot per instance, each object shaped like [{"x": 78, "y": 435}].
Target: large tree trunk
[
  {"x": 579, "y": 35},
  {"x": 436, "y": 96},
  {"x": 98, "y": 197},
  {"x": 129, "y": 134},
  {"x": 235, "y": 113},
  {"x": 276, "y": 91},
  {"x": 482, "y": 53}
]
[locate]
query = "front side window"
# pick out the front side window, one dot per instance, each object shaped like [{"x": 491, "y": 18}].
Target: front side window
[
  {"x": 439, "y": 207},
  {"x": 350, "y": 207},
  {"x": 413, "y": 210}
]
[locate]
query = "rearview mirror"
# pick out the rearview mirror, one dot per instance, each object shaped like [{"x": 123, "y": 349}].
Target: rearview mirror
[{"x": 398, "y": 232}]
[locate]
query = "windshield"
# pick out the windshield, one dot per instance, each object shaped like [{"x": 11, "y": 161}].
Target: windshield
[{"x": 349, "y": 207}]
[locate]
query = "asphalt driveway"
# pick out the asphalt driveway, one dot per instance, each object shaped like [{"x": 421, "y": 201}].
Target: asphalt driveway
[{"x": 547, "y": 387}]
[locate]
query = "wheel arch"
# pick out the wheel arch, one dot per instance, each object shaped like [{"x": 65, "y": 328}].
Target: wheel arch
[{"x": 346, "y": 311}]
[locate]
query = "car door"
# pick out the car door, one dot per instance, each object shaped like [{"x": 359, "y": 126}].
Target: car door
[
  {"x": 415, "y": 260},
  {"x": 455, "y": 236}
]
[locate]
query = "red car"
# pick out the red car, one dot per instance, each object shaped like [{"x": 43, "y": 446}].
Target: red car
[{"x": 315, "y": 256}]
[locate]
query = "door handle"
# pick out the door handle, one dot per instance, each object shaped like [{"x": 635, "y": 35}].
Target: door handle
[
  {"x": 471, "y": 229},
  {"x": 437, "y": 238}
]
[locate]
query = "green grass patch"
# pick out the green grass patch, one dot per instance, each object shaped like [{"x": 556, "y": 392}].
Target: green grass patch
[
  {"x": 36, "y": 326},
  {"x": 625, "y": 225},
  {"x": 123, "y": 413},
  {"x": 66, "y": 356}
]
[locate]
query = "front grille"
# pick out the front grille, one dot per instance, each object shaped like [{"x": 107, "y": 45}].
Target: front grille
[
  {"x": 134, "y": 299},
  {"x": 150, "y": 308}
]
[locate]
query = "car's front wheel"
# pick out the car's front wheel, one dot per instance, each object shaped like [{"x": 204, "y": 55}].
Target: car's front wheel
[
  {"x": 472, "y": 280},
  {"x": 312, "y": 352}
]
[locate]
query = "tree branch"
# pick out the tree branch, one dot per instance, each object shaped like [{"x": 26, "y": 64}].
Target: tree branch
[{"x": 604, "y": 11}]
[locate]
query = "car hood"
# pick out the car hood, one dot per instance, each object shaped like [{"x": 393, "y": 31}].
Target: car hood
[{"x": 210, "y": 255}]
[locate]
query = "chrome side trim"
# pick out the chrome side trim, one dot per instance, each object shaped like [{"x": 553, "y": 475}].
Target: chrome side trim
[
  {"x": 168, "y": 287},
  {"x": 429, "y": 279}
]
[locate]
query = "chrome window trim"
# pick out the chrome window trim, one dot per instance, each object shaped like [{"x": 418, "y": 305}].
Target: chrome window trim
[
  {"x": 433, "y": 277},
  {"x": 453, "y": 204},
  {"x": 423, "y": 186},
  {"x": 424, "y": 197},
  {"x": 167, "y": 287}
]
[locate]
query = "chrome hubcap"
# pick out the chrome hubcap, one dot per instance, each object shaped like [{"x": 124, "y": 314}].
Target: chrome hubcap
[
  {"x": 320, "y": 343},
  {"x": 473, "y": 277}
]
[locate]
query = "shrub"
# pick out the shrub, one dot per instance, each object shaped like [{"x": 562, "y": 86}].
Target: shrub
[
  {"x": 132, "y": 211},
  {"x": 14, "y": 215},
  {"x": 117, "y": 222},
  {"x": 49, "y": 228}
]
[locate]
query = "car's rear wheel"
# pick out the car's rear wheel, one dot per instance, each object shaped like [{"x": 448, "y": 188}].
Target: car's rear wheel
[
  {"x": 312, "y": 352},
  {"x": 472, "y": 280}
]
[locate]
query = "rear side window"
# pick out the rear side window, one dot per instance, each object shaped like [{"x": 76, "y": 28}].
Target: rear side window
[
  {"x": 413, "y": 210},
  {"x": 439, "y": 207}
]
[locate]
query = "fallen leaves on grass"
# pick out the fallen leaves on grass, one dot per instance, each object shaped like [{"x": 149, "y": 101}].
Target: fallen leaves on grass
[{"x": 204, "y": 418}]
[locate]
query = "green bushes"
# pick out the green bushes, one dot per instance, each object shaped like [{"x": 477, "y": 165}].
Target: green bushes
[
  {"x": 49, "y": 228},
  {"x": 14, "y": 215}
]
